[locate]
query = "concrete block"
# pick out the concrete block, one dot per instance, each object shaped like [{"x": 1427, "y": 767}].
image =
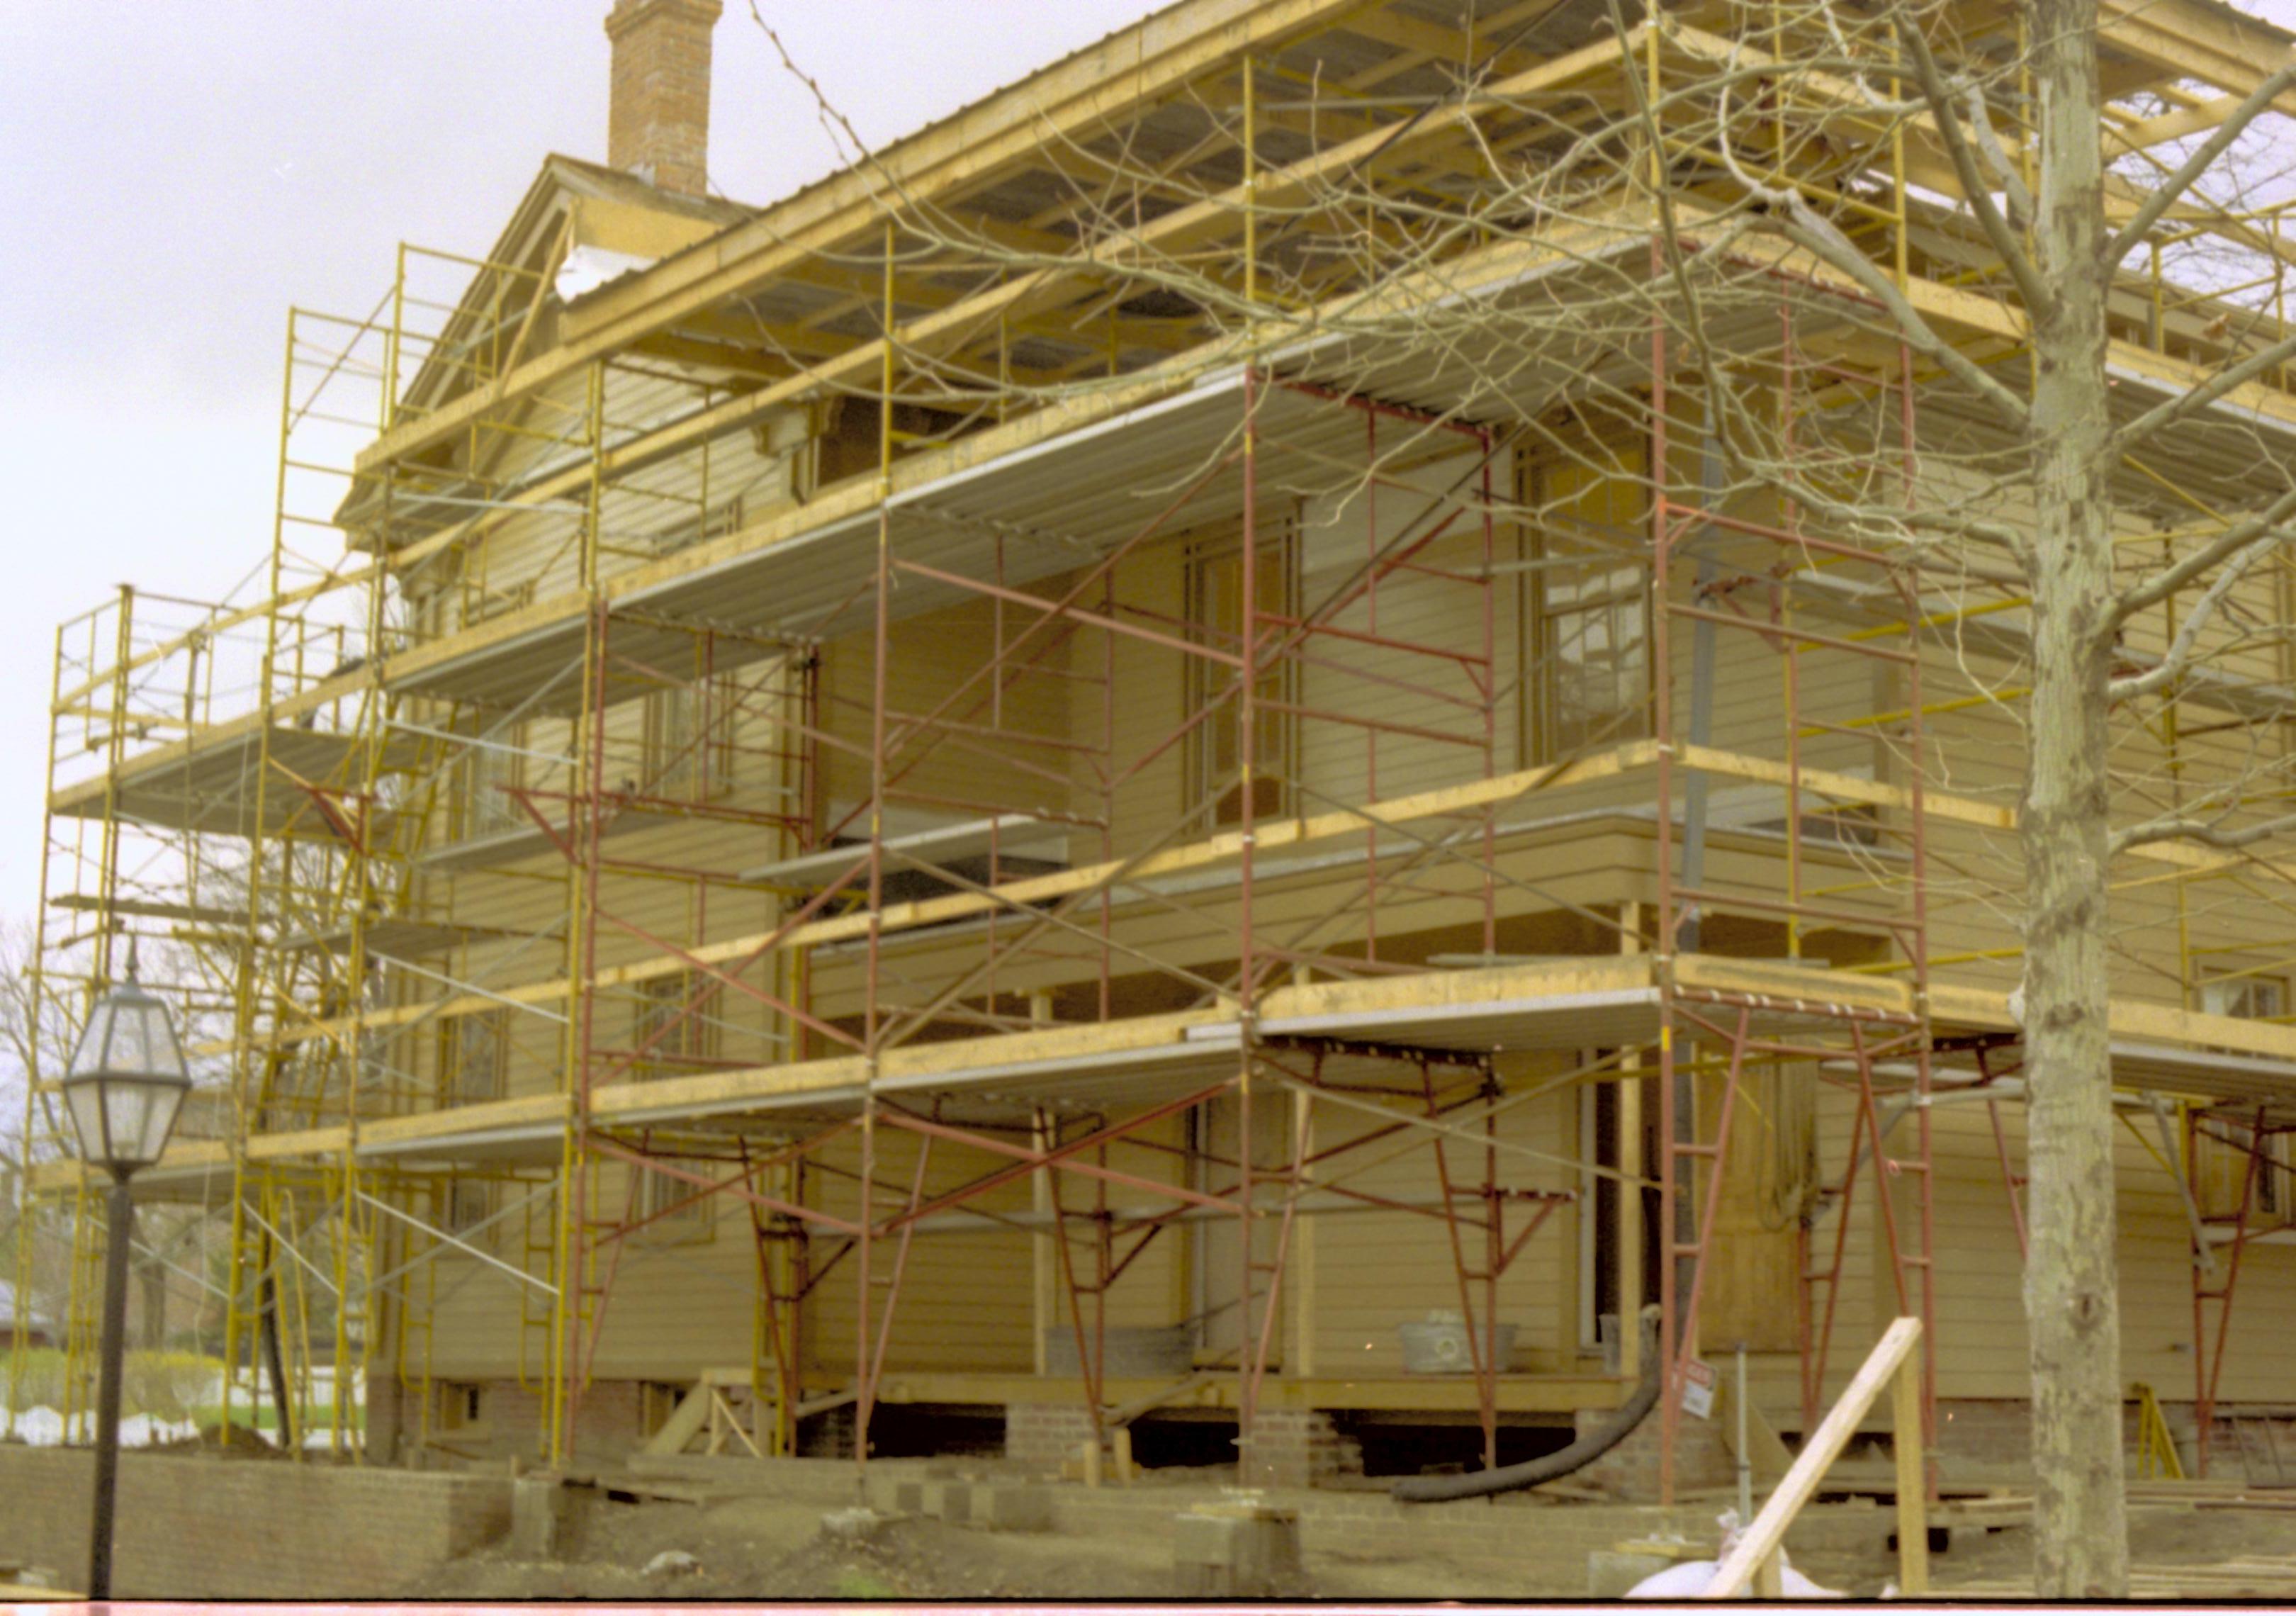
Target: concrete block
[
  {"x": 889, "y": 1493},
  {"x": 545, "y": 1519},
  {"x": 946, "y": 1501},
  {"x": 1013, "y": 1509},
  {"x": 1239, "y": 1551}
]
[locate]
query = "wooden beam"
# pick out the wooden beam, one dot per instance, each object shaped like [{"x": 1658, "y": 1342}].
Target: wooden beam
[
  {"x": 1499, "y": 26},
  {"x": 2213, "y": 44}
]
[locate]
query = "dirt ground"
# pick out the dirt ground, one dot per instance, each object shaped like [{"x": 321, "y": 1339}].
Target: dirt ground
[
  {"x": 771, "y": 1548},
  {"x": 764, "y": 1548},
  {"x": 2157, "y": 1537}
]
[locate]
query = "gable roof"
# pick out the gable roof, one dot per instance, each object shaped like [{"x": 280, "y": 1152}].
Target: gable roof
[{"x": 573, "y": 207}]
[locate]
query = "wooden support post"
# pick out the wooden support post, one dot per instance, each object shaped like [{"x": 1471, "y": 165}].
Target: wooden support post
[
  {"x": 1912, "y": 1481},
  {"x": 1119, "y": 1444},
  {"x": 1892, "y": 1359},
  {"x": 1770, "y": 1577}
]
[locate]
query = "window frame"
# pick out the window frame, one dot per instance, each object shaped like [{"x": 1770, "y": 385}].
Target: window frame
[
  {"x": 1538, "y": 737},
  {"x": 1206, "y": 681}
]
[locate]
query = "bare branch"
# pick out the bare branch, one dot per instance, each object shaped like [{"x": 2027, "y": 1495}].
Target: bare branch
[
  {"x": 2171, "y": 411},
  {"x": 2260, "y": 525},
  {"x": 1812, "y": 231},
  {"x": 2180, "y": 657},
  {"x": 2206, "y": 833},
  {"x": 2040, "y": 301},
  {"x": 2198, "y": 166}
]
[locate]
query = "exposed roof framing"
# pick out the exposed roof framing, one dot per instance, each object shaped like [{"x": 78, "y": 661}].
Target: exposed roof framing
[
  {"x": 1129, "y": 128},
  {"x": 1137, "y": 68}
]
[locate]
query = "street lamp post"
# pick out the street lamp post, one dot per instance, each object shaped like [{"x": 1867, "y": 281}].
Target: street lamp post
[{"x": 124, "y": 1088}]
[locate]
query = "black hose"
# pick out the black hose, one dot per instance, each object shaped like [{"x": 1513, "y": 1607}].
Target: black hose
[{"x": 1553, "y": 1466}]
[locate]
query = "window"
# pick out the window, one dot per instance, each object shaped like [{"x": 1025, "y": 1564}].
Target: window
[
  {"x": 672, "y": 1042},
  {"x": 1593, "y": 647},
  {"x": 473, "y": 1058},
  {"x": 470, "y": 1202},
  {"x": 1215, "y": 749},
  {"x": 658, "y": 1199},
  {"x": 688, "y": 754},
  {"x": 486, "y": 776},
  {"x": 2254, "y": 999},
  {"x": 2221, "y": 1172},
  {"x": 2244, "y": 998},
  {"x": 1587, "y": 620},
  {"x": 459, "y": 1404}
]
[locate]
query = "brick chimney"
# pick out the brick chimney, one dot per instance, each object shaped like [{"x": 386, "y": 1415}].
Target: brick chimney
[{"x": 659, "y": 125}]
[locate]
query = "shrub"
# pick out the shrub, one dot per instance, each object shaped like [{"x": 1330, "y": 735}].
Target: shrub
[
  {"x": 37, "y": 1376},
  {"x": 168, "y": 1385},
  {"x": 165, "y": 1385}
]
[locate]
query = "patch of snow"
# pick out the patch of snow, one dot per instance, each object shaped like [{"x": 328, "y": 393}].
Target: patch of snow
[
  {"x": 1689, "y": 1579},
  {"x": 44, "y": 1427},
  {"x": 587, "y": 269}
]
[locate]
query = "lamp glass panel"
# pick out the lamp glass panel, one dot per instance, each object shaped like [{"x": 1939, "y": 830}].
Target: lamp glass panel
[
  {"x": 88, "y": 1055},
  {"x": 159, "y": 1033},
  {"x": 130, "y": 1047},
  {"x": 129, "y": 1114},
  {"x": 85, "y": 1102},
  {"x": 163, "y": 1102}
]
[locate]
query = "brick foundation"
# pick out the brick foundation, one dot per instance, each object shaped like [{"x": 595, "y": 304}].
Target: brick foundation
[
  {"x": 1630, "y": 1469},
  {"x": 1300, "y": 1448},
  {"x": 609, "y": 1424},
  {"x": 1294, "y": 1447},
  {"x": 1046, "y": 1433},
  {"x": 204, "y": 1527}
]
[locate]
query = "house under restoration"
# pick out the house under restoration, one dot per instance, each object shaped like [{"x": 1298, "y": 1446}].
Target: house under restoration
[{"x": 1067, "y": 780}]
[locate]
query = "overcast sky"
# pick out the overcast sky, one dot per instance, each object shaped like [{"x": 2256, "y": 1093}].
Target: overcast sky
[{"x": 175, "y": 173}]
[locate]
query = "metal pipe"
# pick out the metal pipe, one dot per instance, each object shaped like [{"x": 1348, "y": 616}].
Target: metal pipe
[{"x": 1553, "y": 1466}]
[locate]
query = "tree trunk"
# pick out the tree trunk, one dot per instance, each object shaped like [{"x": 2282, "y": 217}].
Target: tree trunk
[{"x": 2072, "y": 1286}]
